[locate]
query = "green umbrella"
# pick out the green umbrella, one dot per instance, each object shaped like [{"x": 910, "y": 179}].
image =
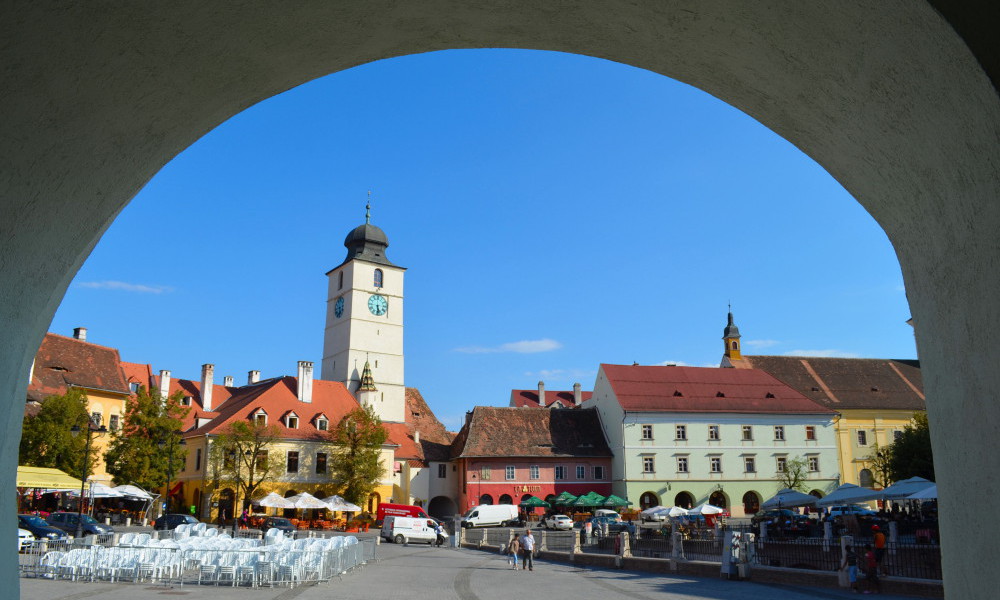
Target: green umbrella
[
  {"x": 564, "y": 499},
  {"x": 616, "y": 501},
  {"x": 589, "y": 499},
  {"x": 533, "y": 502}
]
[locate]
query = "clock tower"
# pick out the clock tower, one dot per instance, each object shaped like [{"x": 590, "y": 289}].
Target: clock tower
[{"x": 364, "y": 321}]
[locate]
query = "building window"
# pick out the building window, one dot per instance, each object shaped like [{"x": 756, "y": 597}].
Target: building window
[
  {"x": 581, "y": 472},
  {"x": 134, "y": 387},
  {"x": 782, "y": 464},
  {"x": 292, "y": 421},
  {"x": 97, "y": 419},
  {"x": 713, "y": 432},
  {"x": 292, "y": 464},
  {"x": 560, "y": 472},
  {"x": 510, "y": 473},
  {"x": 322, "y": 424},
  {"x": 715, "y": 464},
  {"x": 810, "y": 432},
  {"x": 779, "y": 433},
  {"x": 896, "y": 435},
  {"x": 485, "y": 473},
  {"x": 113, "y": 422},
  {"x": 647, "y": 432},
  {"x": 378, "y": 278},
  {"x": 186, "y": 401},
  {"x": 260, "y": 418},
  {"x": 814, "y": 464},
  {"x": 648, "y": 464},
  {"x": 682, "y": 464},
  {"x": 682, "y": 432},
  {"x": 262, "y": 460},
  {"x": 442, "y": 471},
  {"x": 321, "y": 462},
  {"x": 862, "y": 437},
  {"x": 749, "y": 464},
  {"x": 747, "y": 433},
  {"x": 534, "y": 472},
  {"x": 598, "y": 472},
  {"x": 197, "y": 459},
  {"x": 340, "y": 280}
]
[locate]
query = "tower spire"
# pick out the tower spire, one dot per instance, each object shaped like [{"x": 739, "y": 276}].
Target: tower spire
[
  {"x": 367, "y": 379},
  {"x": 731, "y": 336},
  {"x": 368, "y": 209}
]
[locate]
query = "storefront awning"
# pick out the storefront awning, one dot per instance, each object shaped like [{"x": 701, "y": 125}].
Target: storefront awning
[{"x": 43, "y": 477}]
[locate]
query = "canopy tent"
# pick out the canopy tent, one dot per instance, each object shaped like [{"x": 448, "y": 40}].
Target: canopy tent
[
  {"x": 133, "y": 491},
  {"x": 307, "y": 500},
  {"x": 534, "y": 502},
  {"x": 902, "y": 489},
  {"x": 669, "y": 511},
  {"x": 98, "y": 490},
  {"x": 929, "y": 493},
  {"x": 337, "y": 503},
  {"x": 273, "y": 500},
  {"x": 590, "y": 499},
  {"x": 45, "y": 478},
  {"x": 788, "y": 498},
  {"x": 564, "y": 499},
  {"x": 613, "y": 501},
  {"x": 844, "y": 494},
  {"x": 706, "y": 509}
]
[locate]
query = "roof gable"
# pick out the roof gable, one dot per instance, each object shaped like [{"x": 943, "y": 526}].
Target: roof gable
[
  {"x": 529, "y": 398},
  {"x": 534, "y": 432},
  {"x": 63, "y": 362}
]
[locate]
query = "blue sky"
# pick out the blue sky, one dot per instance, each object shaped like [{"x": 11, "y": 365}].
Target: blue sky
[{"x": 554, "y": 212}]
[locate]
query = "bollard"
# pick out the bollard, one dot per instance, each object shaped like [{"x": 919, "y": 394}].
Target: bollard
[
  {"x": 677, "y": 550},
  {"x": 626, "y": 546},
  {"x": 543, "y": 544},
  {"x": 893, "y": 536},
  {"x": 827, "y": 535}
]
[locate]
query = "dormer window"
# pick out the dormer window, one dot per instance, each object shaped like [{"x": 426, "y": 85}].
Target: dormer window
[
  {"x": 186, "y": 401},
  {"x": 323, "y": 424},
  {"x": 134, "y": 387},
  {"x": 292, "y": 420},
  {"x": 259, "y": 418},
  {"x": 378, "y": 278}
]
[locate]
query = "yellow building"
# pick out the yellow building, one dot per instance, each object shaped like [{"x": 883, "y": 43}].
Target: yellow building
[{"x": 65, "y": 363}]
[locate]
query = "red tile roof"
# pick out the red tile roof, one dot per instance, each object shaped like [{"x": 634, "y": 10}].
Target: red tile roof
[
  {"x": 846, "y": 383},
  {"x": 529, "y": 398},
  {"x": 139, "y": 373},
  {"x": 704, "y": 389},
  {"x": 64, "y": 362},
  {"x": 533, "y": 432},
  {"x": 435, "y": 440}
]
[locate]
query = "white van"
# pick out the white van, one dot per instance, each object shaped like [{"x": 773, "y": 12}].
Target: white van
[
  {"x": 402, "y": 530},
  {"x": 491, "y": 515}
]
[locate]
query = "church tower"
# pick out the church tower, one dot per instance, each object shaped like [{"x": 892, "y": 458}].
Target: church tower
[
  {"x": 364, "y": 323},
  {"x": 731, "y": 336}
]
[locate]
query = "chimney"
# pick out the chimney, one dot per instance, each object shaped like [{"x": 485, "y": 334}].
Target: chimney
[
  {"x": 577, "y": 395},
  {"x": 253, "y": 377},
  {"x": 207, "y": 382},
  {"x": 228, "y": 381},
  {"x": 305, "y": 392},
  {"x": 164, "y": 384},
  {"x": 416, "y": 436},
  {"x": 80, "y": 333},
  {"x": 541, "y": 393}
]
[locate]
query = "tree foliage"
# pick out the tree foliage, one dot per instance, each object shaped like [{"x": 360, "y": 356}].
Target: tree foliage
[
  {"x": 795, "y": 474},
  {"x": 356, "y": 464},
  {"x": 134, "y": 455},
  {"x": 879, "y": 463},
  {"x": 241, "y": 458},
  {"x": 46, "y": 440},
  {"x": 911, "y": 454}
]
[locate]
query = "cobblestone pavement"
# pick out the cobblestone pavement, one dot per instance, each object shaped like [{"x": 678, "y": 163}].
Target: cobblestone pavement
[{"x": 419, "y": 572}]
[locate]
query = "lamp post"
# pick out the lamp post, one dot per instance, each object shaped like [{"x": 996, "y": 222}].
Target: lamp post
[
  {"x": 170, "y": 469},
  {"x": 75, "y": 431}
]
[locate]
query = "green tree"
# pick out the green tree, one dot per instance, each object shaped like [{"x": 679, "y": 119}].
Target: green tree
[
  {"x": 795, "y": 474},
  {"x": 134, "y": 455},
  {"x": 911, "y": 454},
  {"x": 356, "y": 464},
  {"x": 239, "y": 458},
  {"x": 879, "y": 463},
  {"x": 46, "y": 440}
]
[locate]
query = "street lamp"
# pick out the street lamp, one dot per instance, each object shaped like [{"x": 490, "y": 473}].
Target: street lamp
[
  {"x": 75, "y": 431},
  {"x": 170, "y": 468}
]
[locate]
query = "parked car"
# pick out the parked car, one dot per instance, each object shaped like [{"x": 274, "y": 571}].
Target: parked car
[
  {"x": 597, "y": 525},
  {"x": 557, "y": 522},
  {"x": 852, "y": 509},
  {"x": 279, "y": 523},
  {"x": 606, "y": 512},
  {"x": 39, "y": 528},
  {"x": 24, "y": 537},
  {"x": 172, "y": 520},
  {"x": 783, "y": 515},
  {"x": 68, "y": 521}
]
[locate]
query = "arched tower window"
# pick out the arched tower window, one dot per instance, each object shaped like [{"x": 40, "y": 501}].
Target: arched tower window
[
  {"x": 735, "y": 346},
  {"x": 378, "y": 278}
]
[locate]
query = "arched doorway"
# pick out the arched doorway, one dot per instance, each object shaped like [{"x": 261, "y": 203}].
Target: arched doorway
[
  {"x": 226, "y": 499},
  {"x": 865, "y": 478},
  {"x": 506, "y": 499},
  {"x": 684, "y": 500},
  {"x": 648, "y": 500},
  {"x": 751, "y": 503},
  {"x": 718, "y": 498},
  {"x": 442, "y": 507},
  {"x": 374, "y": 499},
  {"x": 486, "y": 499}
]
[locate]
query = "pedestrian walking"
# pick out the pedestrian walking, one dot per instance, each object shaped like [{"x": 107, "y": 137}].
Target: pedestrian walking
[
  {"x": 879, "y": 540},
  {"x": 871, "y": 571},
  {"x": 850, "y": 564},
  {"x": 513, "y": 548},
  {"x": 527, "y": 548}
]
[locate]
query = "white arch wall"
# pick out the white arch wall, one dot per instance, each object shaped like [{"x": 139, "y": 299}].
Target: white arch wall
[{"x": 884, "y": 95}]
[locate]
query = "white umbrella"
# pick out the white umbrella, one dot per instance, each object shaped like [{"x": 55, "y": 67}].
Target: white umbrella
[
  {"x": 338, "y": 503},
  {"x": 133, "y": 491},
  {"x": 847, "y": 493},
  {"x": 98, "y": 490},
  {"x": 307, "y": 500},
  {"x": 788, "y": 498},
  {"x": 706, "y": 509},
  {"x": 901, "y": 489},
  {"x": 925, "y": 494},
  {"x": 273, "y": 500}
]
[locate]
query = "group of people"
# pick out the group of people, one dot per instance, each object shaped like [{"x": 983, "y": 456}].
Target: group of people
[
  {"x": 523, "y": 545},
  {"x": 870, "y": 562}
]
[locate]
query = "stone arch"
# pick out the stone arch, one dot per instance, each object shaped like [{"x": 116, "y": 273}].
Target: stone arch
[
  {"x": 505, "y": 499},
  {"x": 751, "y": 503},
  {"x": 442, "y": 507},
  {"x": 648, "y": 500},
  {"x": 486, "y": 499},
  {"x": 719, "y": 498},
  {"x": 684, "y": 500},
  {"x": 898, "y": 101}
]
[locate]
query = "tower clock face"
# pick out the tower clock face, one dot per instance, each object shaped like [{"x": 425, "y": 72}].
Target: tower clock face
[
  {"x": 338, "y": 308},
  {"x": 378, "y": 305}
]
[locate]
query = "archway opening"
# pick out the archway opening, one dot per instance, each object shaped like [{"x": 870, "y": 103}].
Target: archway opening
[
  {"x": 751, "y": 503},
  {"x": 649, "y": 500},
  {"x": 684, "y": 500},
  {"x": 719, "y": 498}
]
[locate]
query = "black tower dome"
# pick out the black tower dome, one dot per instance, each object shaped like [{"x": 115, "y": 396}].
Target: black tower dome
[{"x": 367, "y": 242}]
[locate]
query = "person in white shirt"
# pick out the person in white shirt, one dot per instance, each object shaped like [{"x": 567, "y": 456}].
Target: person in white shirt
[{"x": 527, "y": 549}]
